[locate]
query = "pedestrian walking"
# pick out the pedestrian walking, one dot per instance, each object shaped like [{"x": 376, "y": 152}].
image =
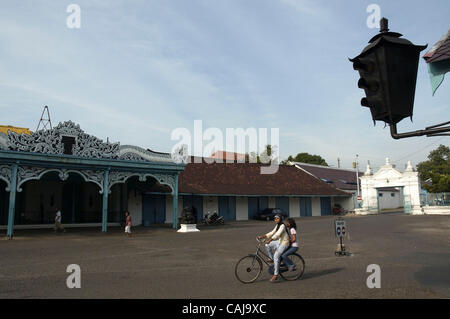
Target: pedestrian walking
[
  {"x": 58, "y": 225},
  {"x": 127, "y": 224}
]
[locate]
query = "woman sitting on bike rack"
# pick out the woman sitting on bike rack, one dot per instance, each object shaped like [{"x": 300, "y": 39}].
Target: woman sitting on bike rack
[
  {"x": 292, "y": 230},
  {"x": 278, "y": 241}
]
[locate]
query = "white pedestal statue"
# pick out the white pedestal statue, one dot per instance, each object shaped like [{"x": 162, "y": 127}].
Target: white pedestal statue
[{"x": 187, "y": 228}]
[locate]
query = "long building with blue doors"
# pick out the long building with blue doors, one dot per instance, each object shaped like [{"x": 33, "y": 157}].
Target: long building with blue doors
[
  {"x": 237, "y": 191},
  {"x": 94, "y": 182}
]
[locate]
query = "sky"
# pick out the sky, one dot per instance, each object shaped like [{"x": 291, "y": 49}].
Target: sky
[{"x": 136, "y": 70}]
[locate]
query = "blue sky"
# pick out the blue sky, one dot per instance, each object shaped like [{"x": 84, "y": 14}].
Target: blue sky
[{"x": 136, "y": 70}]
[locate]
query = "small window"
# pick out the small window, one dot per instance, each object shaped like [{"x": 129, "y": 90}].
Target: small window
[
  {"x": 381, "y": 194},
  {"x": 392, "y": 194},
  {"x": 68, "y": 142}
]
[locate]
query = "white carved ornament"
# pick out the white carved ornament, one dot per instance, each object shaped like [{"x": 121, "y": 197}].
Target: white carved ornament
[
  {"x": 122, "y": 177},
  {"x": 50, "y": 142},
  {"x": 134, "y": 153},
  {"x": 5, "y": 174},
  {"x": 27, "y": 173}
]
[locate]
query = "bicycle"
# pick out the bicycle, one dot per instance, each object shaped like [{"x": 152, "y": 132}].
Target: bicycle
[{"x": 251, "y": 266}]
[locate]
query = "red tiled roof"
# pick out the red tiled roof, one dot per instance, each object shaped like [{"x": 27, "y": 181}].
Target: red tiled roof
[
  {"x": 339, "y": 178},
  {"x": 440, "y": 51},
  {"x": 246, "y": 179}
]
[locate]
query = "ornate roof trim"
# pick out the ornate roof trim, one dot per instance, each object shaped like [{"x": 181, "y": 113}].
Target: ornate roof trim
[
  {"x": 87, "y": 146},
  {"x": 135, "y": 153}
]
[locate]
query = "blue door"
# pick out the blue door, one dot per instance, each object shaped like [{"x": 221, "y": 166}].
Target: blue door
[
  {"x": 4, "y": 204},
  {"x": 197, "y": 202},
  {"x": 305, "y": 206},
  {"x": 252, "y": 207},
  {"x": 263, "y": 203},
  {"x": 153, "y": 209},
  {"x": 227, "y": 207},
  {"x": 283, "y": 203},
  {"x": 325, "y": 206}
]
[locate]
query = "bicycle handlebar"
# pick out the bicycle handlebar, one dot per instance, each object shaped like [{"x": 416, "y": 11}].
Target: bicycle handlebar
[{"x": 260, "y": 240}]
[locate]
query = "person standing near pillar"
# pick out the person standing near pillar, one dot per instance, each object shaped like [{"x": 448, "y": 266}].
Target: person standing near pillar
[{"x": 58, "y": 225}]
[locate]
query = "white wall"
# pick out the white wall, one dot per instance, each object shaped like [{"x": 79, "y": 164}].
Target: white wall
[
  {"x": 315, "y": 206},
  {"x": 294, "y": 207},
  {"x": 135, "y": 207},
  {"x": 169, "y": 208},
  {"x": 438, "y": 210},
  {"x": 271, "y": 202},
  {"x": 241, "y": 208},
  {"x": 386, "y": 201},
  {"x": 346, "y": 203}
]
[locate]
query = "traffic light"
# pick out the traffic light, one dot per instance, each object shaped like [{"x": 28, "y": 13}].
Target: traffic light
[{"x": 388, "y": 71}]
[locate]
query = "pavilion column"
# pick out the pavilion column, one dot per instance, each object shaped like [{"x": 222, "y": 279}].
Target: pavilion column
[
  {"x": 105, "y": 201},
  {"x": 12, "y": 200},
  {"x": 175, "y": 203}
]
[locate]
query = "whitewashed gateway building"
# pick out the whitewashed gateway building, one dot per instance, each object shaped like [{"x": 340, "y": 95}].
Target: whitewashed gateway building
[{"x": 387, "y": 177}]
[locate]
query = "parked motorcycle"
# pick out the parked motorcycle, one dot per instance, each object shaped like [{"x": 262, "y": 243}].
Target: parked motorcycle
[
  {"x": 339, "y": 210},
  {"x": 213, "y": 219}
]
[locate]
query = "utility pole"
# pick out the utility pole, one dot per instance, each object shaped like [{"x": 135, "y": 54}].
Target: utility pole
[
  {"x": 357, "y": 176},
  {"x": 339, "y": 163}
]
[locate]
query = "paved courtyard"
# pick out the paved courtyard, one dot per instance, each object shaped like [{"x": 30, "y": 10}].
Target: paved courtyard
[{"x": 412, "y": 251}]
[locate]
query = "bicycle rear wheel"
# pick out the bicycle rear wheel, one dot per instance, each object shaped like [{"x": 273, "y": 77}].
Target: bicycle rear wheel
[
  {"x": 248, "y": 269},
  {"x": 297, "y": 272}
]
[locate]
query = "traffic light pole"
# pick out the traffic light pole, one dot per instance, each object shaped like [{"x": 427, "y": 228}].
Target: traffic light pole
[{"x": 434, "y": 130}]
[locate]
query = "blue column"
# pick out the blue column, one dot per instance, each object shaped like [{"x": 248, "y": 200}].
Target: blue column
[
  {"x": 175, "y": 203},
  {"x": 105, "y": 201},
  {"x": 12, "y": 200}
]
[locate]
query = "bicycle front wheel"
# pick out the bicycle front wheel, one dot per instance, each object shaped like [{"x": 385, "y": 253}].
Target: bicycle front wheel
[
  {"x": 248, "y": 269},
  {"x": 297, "y": 272}
]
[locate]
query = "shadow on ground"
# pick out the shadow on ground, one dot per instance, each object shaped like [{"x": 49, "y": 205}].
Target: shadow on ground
[{"x": 320, "y": 273}]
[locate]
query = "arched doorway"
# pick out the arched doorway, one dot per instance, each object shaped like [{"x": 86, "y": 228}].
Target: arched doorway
[
  {"x": 80, "y": 202},
  {"x": 147, "y": 200}
]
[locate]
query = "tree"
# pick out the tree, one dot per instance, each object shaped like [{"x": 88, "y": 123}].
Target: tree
[
  {"x": 265, "y": 157},
  {"x": 306, "y": 158},
  {"x": 436, "y": 169}
]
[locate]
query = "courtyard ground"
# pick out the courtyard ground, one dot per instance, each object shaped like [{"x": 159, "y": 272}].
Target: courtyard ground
[{"x": 157, "y": 262}]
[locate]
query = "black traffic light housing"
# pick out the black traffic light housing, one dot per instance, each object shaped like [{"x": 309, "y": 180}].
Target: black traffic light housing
[{"x": 388, "y": 70}]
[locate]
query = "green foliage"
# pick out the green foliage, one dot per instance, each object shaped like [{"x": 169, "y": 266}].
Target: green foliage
[
  {"x": 436, "y": 169},
  {"x": 265, "y": 157},
  {"x": 306, "y": 158}
]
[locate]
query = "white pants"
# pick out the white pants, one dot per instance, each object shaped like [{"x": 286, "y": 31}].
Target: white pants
[
  {"x": 279, "y": 250},
  {"x": 128, "y": 229}
]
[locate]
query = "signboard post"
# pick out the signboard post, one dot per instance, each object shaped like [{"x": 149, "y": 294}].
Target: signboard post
[{"x": 340, "y": 229}]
